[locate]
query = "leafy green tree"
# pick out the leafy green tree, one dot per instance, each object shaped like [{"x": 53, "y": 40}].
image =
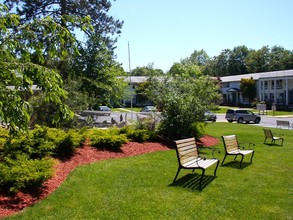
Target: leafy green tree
[
  {"x": 248, "y": 88},
  {"x": 258, "y": 60},
  {"x": 183, "y": 101},
  {"x": 280, "y": 59},
  {"x": 199, "y": 58},
  {"x": 185, "y": 69},
  {"x": 148, "y": 70},
  {"x": 99, "y": 73},
  {"x": 141, "y": 91},
  {"x": 236, "y": 62},
  {"x": 19, "y": 73},
  {"x": 73, "y": 15},
  {"x": 222, "y": 63},
  {"x": 95, "y": 63}
]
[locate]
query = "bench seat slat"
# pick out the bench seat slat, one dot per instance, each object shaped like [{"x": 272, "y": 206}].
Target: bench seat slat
[{"x": 200, "y": 163}]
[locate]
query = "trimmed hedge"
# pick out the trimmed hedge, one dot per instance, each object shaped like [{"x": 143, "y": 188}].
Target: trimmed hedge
[
  {"x": 107, "y": 139},
  {"x": 21, "y": 172},
  {"x": 25, "y": 159}
]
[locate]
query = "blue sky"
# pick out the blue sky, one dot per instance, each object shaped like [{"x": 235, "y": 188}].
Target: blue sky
[{"x": 163, "y": 32}]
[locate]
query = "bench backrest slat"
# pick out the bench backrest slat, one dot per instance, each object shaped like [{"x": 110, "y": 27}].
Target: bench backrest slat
[
  {"x": 230, "y": 143},
  {"x": 186, "y": 150},
  {"x": 268, "y": 133}
]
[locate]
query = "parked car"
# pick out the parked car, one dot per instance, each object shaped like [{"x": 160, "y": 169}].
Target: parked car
[
  {"x": 210, "y": 116},
  {"x": 105, "y": 110},
  {"x": 242, "y": 115},
  {"x": 148, "y": 108}
]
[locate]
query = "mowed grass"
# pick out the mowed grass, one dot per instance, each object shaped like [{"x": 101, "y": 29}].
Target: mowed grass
[{"x": 141, "y": 187}]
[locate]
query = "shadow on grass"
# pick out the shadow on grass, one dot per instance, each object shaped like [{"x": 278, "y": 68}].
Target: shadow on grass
[
  {"x": 191, "y": 181},
  {"x": 236, "y": 165},
  {"x": 273, "y": 145}
]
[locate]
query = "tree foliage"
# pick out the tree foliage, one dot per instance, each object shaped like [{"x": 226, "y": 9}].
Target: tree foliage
[
  {"x": 248, "y": 88},
  {"x": 199, "y": 58},
  {"x": 240, "y": 60},
  {"x": 183, "y": 101},
  {"x": 99, "y": 73},
  {"x": 185, "y": 69},
  {"x": 19, "y": 73},
  {"x": 94, "y": 64},
  {"x": 148, "y": 70},
  {"x": 73, "y": 15}
]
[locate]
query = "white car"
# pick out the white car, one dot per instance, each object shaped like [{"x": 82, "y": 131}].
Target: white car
[{"x": 149, "y": 108}]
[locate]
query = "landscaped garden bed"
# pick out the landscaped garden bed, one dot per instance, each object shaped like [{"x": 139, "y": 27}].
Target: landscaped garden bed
[{"x": 13, "y": 203}]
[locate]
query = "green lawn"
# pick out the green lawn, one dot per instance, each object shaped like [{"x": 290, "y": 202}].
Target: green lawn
[
  {"x": 125, "y": 109},
  {"x": 141, "y": 187}
]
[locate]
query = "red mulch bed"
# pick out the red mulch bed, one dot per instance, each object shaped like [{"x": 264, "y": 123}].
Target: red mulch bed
[{"x": 11, "y": 204}]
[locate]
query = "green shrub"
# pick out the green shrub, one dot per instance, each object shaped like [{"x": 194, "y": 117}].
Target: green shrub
[
  {"x": 22, "y": 172},
  {"x": 198, "y": 129},
  {"x": 78, "y": 138},
  {"x": 34, "y": 144},
  {"x": 107, "y": 141},
  {"x": 64, "y": 142},
  {"x": 4, "y": 134},
  {"x": 138, "y": 135}
]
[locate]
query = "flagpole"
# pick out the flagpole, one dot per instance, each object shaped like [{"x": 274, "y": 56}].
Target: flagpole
[{"x": 130, "y": 80}]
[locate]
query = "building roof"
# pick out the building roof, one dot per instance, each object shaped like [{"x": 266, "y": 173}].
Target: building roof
[
  {"x": 256, "y": 76},
  {"x": 235, "y": 78},
  {"x": 135, "y": 79}
]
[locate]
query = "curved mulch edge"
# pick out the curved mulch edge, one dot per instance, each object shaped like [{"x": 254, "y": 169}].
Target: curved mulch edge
[
  {"x": 208, "y": 141},
  {"x": 12, "y": 204}
]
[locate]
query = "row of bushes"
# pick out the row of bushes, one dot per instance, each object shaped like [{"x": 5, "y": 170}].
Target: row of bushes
[
  {"x": 26, "y": 159},
  {"x": 114, "y": 138}
]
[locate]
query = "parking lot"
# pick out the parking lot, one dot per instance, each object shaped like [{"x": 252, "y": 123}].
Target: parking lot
[{"x": 266, "y": 121}]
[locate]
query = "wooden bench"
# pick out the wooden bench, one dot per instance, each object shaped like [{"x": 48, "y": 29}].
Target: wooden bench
[
  {"x": 232, "y": 147},
  {"x": 281, "y": 123},
  {"x": 269, "y": 135},
  {"x": 188, "y": 158}
]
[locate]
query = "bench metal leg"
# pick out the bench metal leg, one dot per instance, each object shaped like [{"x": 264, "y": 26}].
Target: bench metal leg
[
  {"x": 215, "y": 172},
  {"x": 251, "y": 156},
  {"x": 179, "y": 168},
  {"x": 224, "y": 159},
  {"x": 242, "y": 156}
]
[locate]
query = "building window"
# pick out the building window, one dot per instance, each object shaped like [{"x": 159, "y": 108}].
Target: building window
[
  {"x": 226, "y": 85},
  {"x": 279, "y": 84},
  {"x": 265, "y": 84},
  {"x": 273, "y": 84}
]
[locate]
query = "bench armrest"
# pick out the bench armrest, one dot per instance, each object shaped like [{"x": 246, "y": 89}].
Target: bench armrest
[
  {"x": 249, "y": 144},
  {"x": 214, "y": 150}
]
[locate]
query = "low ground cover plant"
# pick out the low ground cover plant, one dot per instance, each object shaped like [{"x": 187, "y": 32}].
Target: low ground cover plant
[
  {"x": 109, "y": 139},
  {"x": 26, "y": 159}
]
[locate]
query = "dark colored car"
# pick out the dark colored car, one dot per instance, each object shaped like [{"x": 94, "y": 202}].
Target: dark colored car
[
  {"x": 242, "y": 115},
  {"x": 210, "y": 116}
]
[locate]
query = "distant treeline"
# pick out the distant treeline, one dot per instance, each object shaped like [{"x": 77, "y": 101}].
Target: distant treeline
[{"x": 239, "y": 60}]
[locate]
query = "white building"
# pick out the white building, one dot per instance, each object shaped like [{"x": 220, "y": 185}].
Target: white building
[{"x": 273, "y": 87}]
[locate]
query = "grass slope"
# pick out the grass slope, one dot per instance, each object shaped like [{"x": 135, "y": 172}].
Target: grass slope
[{"x": 141, "y": 187}]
